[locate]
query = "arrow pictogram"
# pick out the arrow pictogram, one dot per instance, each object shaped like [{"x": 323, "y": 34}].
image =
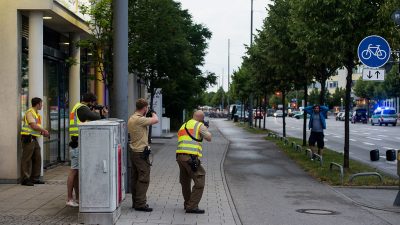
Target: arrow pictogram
[
  {"x": 377, "y": 74},
  {"x": 369, "y": 75}
]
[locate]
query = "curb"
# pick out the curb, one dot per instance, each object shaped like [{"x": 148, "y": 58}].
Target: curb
[{"x": 232, "y": 205}]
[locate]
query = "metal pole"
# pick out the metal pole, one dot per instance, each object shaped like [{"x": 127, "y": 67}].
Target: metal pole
[
  {"x": 119, "y": 94},
  {"x": 229, "y": 48}
]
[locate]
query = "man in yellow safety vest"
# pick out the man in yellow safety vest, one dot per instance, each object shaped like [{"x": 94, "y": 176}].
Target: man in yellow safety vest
[
  {"x": 190, "y": 149},
  {"x": 82, "y": 112},
  {"x": 31, "y": 160}
]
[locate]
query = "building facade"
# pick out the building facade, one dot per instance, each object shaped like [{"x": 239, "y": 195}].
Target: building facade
[{"x": 37, "y": 39}]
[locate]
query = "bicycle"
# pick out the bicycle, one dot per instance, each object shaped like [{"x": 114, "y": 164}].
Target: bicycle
[{"x": 373, "y": 50}]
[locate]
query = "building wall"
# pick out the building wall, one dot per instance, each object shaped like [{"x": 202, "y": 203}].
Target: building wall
[{"x": 10, "y": 73}]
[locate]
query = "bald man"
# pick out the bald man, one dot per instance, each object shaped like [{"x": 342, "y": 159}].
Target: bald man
[{"x": 190, "y": 138}]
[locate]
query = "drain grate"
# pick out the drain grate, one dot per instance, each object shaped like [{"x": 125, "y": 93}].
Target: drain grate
[{"x": 322, "y": 212}]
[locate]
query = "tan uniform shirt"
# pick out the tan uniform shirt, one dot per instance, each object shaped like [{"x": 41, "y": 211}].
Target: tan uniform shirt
[
  {"x": 138, "y": 131},
  {"x": 30, "y": 118},
  {"x": 204, "y": 132}
]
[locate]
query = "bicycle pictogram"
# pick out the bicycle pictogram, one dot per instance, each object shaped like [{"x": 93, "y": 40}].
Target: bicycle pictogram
[{"x": 373, "y": 50}]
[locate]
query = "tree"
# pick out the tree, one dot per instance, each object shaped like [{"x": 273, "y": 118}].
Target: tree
[
  {"x": 99, "y": 41},
  {"x": 165, "y": 50}
]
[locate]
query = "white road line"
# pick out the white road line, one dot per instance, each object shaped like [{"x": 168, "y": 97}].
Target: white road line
[
  {"x": 382, "y": 135},
  {"x": 337, "y": 136},
  {"x": 367, "y": 143},
  {"x": 387, "y": 148},
  {"x": 398, "y": 138},
  {"x": 376, "y": 139},
  {"x": 351, "y": 139}
]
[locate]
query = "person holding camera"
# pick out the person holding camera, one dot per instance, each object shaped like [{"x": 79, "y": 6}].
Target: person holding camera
[
  {"x": 140, "y": 175},
  {"x": 83, "y": 111},
  {"x": 31, "y": 160},
  {"x": 190, "y": 138}
]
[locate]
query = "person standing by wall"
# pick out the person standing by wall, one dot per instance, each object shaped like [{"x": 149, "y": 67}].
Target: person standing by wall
[
  {"x": 140, "y": 177},
  {"x": 317, "y": 125},
  {"x": 190, "y": 137},
  {"x": 83, "y": 111},
  {"x": 31, "y": 160}
]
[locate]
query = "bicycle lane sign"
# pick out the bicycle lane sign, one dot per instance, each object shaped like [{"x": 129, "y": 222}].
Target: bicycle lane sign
[{"x": 374, "y": 51}]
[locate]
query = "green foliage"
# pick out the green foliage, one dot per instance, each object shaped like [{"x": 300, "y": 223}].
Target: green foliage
[
  {"x": 166, "y": 49},
  {"x": 99, "y": 42},
  {"x": 391, "y": 85}
]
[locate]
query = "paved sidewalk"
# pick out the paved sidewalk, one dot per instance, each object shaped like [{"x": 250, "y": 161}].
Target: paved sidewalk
[
  {"x": 165, "y": 196},
  {"x": 45, "y": 204}
]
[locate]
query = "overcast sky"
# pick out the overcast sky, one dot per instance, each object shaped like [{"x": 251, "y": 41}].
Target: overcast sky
[{"x": 226, "y": 19}]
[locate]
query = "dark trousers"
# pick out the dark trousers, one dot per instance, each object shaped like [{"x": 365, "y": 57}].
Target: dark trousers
[
  {"x": 31, "y": 161},
  {"x": 316, "y": 137},
  {"x": 192, "y": 196},
  {"x": 140, "y": 179}
]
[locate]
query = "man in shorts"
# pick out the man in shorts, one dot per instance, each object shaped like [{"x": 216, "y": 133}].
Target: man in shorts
[{"x": 317, "y": 125}]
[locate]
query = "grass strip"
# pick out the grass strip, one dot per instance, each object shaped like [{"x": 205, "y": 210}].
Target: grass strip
[{"x": 323, "y": 173}]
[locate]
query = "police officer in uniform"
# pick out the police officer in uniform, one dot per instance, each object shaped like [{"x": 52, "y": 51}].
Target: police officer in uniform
[
  {"x": 31, "y": 161},
  {"x": 140, "y": 177},
  {"x": 82, "y": 112},
  {"x": 190, "y": 137}
]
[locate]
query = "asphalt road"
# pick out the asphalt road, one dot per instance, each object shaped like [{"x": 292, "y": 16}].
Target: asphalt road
[
  {"x": 268, "y": 188},
  {"x": 363, "y": 138}
]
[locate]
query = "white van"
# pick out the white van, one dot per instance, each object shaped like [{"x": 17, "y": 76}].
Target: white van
[{"x": 385, "y": 116}]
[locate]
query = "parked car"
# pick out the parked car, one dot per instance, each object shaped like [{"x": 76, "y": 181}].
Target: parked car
[
  {"x": 384, "y": 116},
  {"x": 257, "y": 114},
  {"x": 340, "y": 116},
  {"x": 278, "y": 113},
  {"x": 292, "y": 113},
  {"x": 270, "y": 112},
  {"x": 300, "y": 115},
  {"x": 359, "y": 115}
]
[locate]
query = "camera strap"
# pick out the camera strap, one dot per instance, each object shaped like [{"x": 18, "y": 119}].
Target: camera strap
[{"x": 187, "y": 131}]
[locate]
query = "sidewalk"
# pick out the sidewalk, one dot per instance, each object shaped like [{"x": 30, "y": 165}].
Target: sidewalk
[{"x": 45, "y": 204}]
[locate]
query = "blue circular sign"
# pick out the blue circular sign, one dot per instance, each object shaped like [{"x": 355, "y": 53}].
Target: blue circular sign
[{"x": 374, "y": 51}]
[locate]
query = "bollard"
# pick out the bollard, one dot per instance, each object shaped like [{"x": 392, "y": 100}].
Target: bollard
[
  {"x": 397, "y": 200},
  {"x": 374, "y": 155},
  {"x": 390, "y": 155}
]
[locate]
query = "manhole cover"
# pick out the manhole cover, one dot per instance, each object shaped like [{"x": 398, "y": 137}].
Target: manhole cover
[{"x": 317, "y": 211}]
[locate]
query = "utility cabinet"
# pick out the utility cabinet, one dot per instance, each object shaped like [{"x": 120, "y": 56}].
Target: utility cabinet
[{"x": 101, "y": 174}]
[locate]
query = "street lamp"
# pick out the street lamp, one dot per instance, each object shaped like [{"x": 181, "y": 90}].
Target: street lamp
[{"x": 341, "y": 104}]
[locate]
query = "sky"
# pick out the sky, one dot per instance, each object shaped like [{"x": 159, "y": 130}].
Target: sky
[{"x": 226, "y": 19}]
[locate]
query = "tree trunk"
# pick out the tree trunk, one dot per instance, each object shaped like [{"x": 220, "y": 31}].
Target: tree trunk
[
  {"x": 349, "y": 68},
  {"x": 259, "y": 110},
  {"x": 283, "y": 117},
  {"x": 322, "y": 93},
  {"x": 305, "y": 116},
  {"x": 265, "y": 108}
]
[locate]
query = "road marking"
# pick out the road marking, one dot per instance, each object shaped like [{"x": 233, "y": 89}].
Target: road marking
[
  {"x": 325, "y": 139},
  {"x": 351, "y": 139},
  {"x": 376, "y": 139},
  {"x": 387, "y": 148},
  {"x": 398, "y": 138},
  {"x": 382, "y": 135},
  {"x": 367, "y": 143},
  {"x": 337, "y": 136}
]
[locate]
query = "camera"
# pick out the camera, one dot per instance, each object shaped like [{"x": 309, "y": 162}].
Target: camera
[
  {"x": 150, "y": 113},
  {"x": 206, "y": 123},
  {"x": 100, "y": 108}
]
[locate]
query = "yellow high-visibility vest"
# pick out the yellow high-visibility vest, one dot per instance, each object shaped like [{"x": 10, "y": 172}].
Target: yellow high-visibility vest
[
  {"x": 74, "y": 120},
  {"x": 186, "y": 144},
  {"x": 26, "y": 129}
]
